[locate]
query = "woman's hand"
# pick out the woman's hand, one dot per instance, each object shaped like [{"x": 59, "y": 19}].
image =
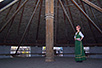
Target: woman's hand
[
  {"x": 78, "y": 39},
  {"x": 74, "y": 38}
]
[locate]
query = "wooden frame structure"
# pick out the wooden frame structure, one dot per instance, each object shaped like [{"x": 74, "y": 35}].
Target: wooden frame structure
[{"x": 49, "y": 13}]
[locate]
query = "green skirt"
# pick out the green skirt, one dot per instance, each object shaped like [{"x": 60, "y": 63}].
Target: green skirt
[{"x": 79, "y": 51}]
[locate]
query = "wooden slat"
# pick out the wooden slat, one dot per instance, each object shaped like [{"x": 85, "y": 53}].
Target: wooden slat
[{"x": 92, "y": 5}]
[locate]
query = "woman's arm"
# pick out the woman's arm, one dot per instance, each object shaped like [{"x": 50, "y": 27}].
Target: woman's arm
[
  {"x": 82, "y": 36},
  {"x": 75, "y": 36},
  {"x": 80, "y": 39}
]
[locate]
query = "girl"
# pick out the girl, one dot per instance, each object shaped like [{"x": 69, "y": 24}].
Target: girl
[{"x": 79, "y": 51}]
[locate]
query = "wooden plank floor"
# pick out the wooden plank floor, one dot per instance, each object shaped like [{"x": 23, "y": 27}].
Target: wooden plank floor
[{"x": 38, "y": 62}]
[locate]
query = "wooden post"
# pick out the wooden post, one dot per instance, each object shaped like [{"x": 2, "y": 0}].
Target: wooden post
[{"x": 49, "y": 30}]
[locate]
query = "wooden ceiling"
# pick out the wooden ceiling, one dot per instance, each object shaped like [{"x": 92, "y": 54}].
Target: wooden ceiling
[{"x": 24, "y": 22}]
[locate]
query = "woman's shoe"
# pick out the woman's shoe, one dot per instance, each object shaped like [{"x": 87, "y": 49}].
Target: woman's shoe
[{"x": 79, "y": 61}]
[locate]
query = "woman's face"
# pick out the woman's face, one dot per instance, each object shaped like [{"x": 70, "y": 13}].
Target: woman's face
[{"x": 77, "y": 28}]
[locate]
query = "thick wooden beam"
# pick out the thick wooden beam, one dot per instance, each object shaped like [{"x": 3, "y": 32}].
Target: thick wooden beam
[
  {"x": 49, "y": 30},
  {"x": 5, "y": 18},
  {"x": 20, "y": 20},
  {"x": 75, "y": 3},
  {"x": 11, "y": 23},
  {"x": 67, "y": 15},
  {"x": 89, "y": 21},
  {"x": 4, "y": 26},
  {"x": 28, "y": 25},
  {"x": 92, "y": 5},
  {"x": 39, "y": 18}
]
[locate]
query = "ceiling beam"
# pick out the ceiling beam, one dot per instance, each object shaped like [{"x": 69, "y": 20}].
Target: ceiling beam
[{"x": 92, "y": 5}]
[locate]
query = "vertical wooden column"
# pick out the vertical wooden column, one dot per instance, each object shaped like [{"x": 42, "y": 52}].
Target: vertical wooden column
[{"x": 49, "y": 30}]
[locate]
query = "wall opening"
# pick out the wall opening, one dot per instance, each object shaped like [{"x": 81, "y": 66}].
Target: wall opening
[
  {"x": 24, "y": 51},
  {"x": 58, "y": 51},
  {"x": 87, "y": 50}
]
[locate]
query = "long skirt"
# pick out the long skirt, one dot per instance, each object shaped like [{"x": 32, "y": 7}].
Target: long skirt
[{"x": 79, "y": 51}]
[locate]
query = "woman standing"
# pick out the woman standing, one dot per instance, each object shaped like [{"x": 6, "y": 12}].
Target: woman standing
[{"x": 79, "y": 51}]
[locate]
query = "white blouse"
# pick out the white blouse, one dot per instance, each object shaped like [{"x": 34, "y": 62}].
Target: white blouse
[{"x": 80, "y": 33}]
